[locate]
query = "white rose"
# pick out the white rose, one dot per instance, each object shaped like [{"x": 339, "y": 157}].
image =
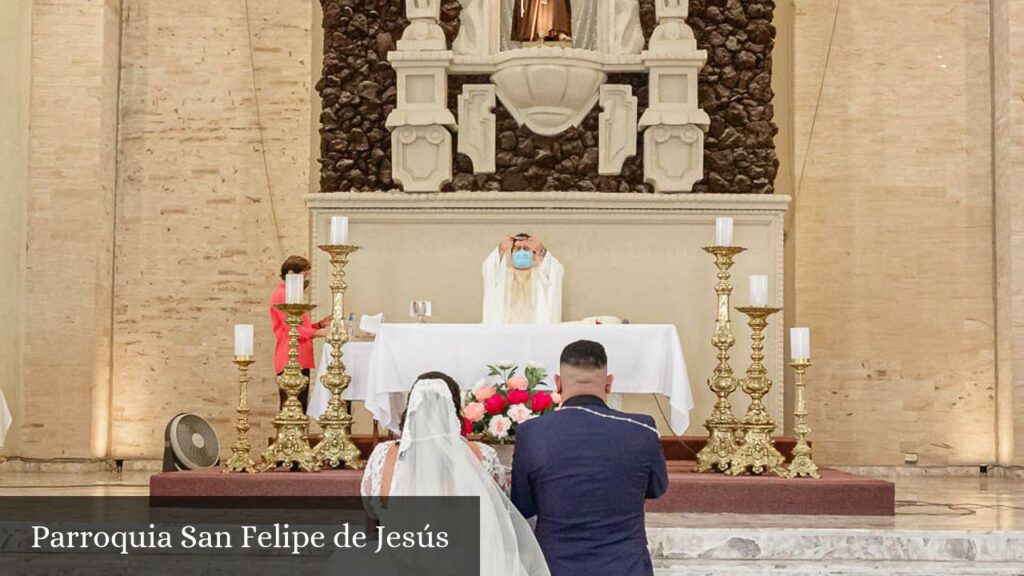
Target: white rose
[
  {"x": 499, "y": 427},
  {"x": 519, "y": 413},
  {"x": 535, "y": 365},
  {"x": 504, "y": 365}
]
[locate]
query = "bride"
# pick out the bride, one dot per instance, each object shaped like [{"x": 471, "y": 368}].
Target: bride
[{"x": 432, "y": 459}]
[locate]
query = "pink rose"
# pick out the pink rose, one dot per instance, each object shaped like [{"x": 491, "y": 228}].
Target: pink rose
[
  {"x": 518, "y": 383},
  {"x": 474, "y": 411},
  {"x": 518, "y": 396},
  {"x": 520, "y": 413},
  {"x": 556, "y": 398},
  {"x": 483, "y": 391}
]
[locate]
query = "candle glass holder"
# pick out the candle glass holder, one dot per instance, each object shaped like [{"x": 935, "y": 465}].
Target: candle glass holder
[
  {"x": 756, "y": 451},
  {"x": 802, "y": 465},
  {"x": 241, "y": 458},
  {"x": 336, "y": 446},
  {"x": 721, "y": 425},
  {"x": 420, "y": 310},
  {"x": 291, "y": 442}
]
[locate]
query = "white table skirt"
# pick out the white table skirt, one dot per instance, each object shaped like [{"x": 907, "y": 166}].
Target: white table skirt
[
  {"x": 644, "y": 358},
  {"x": 356, "y": 356},
  {"x": 5, "y": 419}
]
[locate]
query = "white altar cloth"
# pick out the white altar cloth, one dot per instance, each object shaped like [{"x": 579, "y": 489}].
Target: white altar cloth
[
  {"x": 644, "y": 359},
  {"x": 356, "y": 356},
  {"x": 5, "y": 418}
]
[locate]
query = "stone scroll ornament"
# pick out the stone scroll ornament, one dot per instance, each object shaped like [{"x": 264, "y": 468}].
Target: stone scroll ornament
[{"x": 394, "y": 73}]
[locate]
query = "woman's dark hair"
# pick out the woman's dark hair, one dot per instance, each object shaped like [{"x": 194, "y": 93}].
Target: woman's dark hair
[
  {"x": 294, "y": 265},
  {"x": 453, "y": 387}
]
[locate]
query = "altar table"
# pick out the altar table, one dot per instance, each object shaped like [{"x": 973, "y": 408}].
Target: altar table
[
  {"x": 5, "y": 419},
  {"x": 356, "y": 356},
  {"x": 644, "y": 358}
]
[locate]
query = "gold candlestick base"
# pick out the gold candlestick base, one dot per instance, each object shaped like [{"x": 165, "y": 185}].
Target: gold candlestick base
[
  {"x": 241, "y": 460},
  {"x": 291, "y": 444},
  {"x": 336, "y": 446},
  {"x": 721, "y": 425},
  {"x": 802, "y": 465},
  {"x": 756, "y": 452}
]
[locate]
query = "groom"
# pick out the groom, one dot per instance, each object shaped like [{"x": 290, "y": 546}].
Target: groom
[{"x": 585, "y": 471}]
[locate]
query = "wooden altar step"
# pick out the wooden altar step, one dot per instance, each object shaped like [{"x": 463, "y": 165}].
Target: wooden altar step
[
  {"x": 675, "y": 447},
  {"x": 836, "y": 493}
]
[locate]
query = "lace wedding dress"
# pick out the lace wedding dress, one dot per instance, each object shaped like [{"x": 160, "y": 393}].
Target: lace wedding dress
[
  {"x": 374, "y": 474},
  {"x": 434, "y": 460}
]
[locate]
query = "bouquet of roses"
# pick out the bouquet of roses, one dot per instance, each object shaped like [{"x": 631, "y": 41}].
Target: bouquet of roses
[{"x": 504, "y": 399}]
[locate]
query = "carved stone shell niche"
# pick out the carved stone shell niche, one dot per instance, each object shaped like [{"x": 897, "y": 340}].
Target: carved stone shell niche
[{"x": 549, "y": 88}]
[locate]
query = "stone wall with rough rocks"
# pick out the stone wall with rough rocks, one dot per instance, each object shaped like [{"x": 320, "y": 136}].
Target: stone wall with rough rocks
[{"x": 358, "y": 90}]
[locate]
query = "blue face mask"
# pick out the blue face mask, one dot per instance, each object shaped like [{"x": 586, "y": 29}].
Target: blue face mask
[{"x": 522, "y": 259}]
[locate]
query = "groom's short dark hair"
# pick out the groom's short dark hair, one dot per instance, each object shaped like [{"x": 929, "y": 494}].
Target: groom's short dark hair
[{"x": 584, "y": 354}]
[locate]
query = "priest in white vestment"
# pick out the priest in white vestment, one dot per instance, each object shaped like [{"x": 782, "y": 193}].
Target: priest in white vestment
[{"x": 522, "y": 283}]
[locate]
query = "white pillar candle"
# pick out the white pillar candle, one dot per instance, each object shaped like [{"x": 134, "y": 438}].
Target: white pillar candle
[
  {"x": 800, "y": 343},
  {"x": 243, "y": 339},
  {"x": 294, "y": 284},
  {"x": 339, "y": 230},
  {"x": 723, "y": 231},
  {"x": 758, "y": 290}
]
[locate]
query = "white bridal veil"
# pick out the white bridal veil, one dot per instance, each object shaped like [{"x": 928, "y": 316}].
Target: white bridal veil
[{"x": 434, "y": 460}]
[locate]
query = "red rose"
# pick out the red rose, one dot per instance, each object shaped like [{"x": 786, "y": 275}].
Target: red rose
[
  {"x": 467, "y": 427},
  {"x": 540, "y": 402},
  {"x": 518, "y": 396},
  {"x": 495, "y": 404}
]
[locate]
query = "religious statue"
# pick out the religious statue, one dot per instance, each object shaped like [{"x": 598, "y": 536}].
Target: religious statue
[
  {"x": 522, "y": 283},
  {"x": 542, "y": 21}
]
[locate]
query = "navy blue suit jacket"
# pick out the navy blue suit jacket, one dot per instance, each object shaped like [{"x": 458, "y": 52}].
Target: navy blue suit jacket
[{"x": 585, "y": 477}]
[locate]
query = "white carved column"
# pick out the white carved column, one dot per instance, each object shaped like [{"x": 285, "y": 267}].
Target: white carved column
[
  {"x": 617, "y": 126},
  {"x": 673, "y": 123},
  {"x": 478, "y": 126},
  {"x": 421, "y": 144}
]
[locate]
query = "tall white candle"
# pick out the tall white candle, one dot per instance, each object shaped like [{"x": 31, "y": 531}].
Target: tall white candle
[
  {"x": 243, "y": 339},
  {"x": 758, "y": 290},
  {"x": 723, "y": 231},
  {"x": 800, "y": 343},
  {"x": 339, "y": 230},
  {"x": 294, "y": 284}
]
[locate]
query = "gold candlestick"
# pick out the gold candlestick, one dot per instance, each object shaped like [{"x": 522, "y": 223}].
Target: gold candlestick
[
  {"x": 336, "y": 446},
  {"x": 802, "y": 464},
  {"x": 757, "y": 451},
  {"x": 241, "y": 460},
  {"x": 721, "y": 425},
  {"x": 291, "y": 444}
]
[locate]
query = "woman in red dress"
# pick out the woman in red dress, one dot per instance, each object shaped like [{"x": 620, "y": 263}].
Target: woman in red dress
[{"x": 307, "y": 330}]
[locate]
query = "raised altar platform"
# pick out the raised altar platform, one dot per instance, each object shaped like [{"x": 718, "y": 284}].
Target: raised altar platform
[{"x": 836, "y": 493}]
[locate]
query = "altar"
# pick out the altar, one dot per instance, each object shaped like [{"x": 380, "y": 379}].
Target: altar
[{"x": 644, "y": 359}]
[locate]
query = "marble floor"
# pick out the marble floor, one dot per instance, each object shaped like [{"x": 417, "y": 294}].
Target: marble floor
[{"x": 944, "y": 526}]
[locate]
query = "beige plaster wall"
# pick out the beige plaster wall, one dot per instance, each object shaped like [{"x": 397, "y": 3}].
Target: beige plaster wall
[
  {"x": 893, "y": 250},
  {"x": 214, "y": 161},
  {"x": 15, "y": 45},
  {"x": 67, "y": 286},
  {"x": 1008, "y": 130}
]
